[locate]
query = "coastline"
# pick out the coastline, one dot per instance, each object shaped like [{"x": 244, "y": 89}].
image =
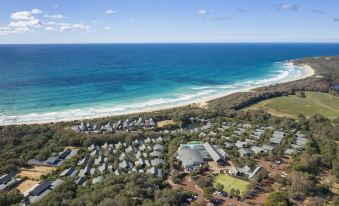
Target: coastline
[{"x": 203, "y": 102}]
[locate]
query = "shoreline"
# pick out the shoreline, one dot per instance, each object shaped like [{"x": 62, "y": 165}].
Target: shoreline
[{"x": 203, "y": 102}]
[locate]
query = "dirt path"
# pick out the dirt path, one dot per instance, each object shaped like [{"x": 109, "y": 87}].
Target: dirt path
[{"x": 190, "y": 185}]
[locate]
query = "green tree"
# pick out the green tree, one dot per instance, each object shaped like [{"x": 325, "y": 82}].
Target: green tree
[
  {"x": 237, "y": 192},
  {"x": 219, "y": 187},
  {"x": 277, "y": 199},
  {"x": 10, "y": 198},
  {"x": 232, "y": 191}
]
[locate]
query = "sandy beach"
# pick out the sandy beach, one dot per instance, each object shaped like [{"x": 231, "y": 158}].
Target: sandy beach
[{"x": 202, "y": 102}]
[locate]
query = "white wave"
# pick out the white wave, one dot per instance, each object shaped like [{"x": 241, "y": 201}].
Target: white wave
[{"x": 286, "y": 72}]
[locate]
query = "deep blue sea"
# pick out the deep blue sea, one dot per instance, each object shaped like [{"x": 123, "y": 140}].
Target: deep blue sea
[{"x": 41, "y": 83}]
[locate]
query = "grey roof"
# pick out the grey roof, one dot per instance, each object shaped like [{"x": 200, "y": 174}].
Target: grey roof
[
  {"x": 289, "y": 151},
  {"x": 104, "y": 167},
  {"x": 140, "y": 161},
  {"x": 240, "y": 144},
  {"x": 254, "y": 172},
  {"x": 98, "y": 179},
  {"x": 189, "y": 157},
  {"x": 233, "y": 171},
  {"x": 244, "y": 151},
  {"x": 65, "y": 153},
  {"x": 52, "y": 160},
  {"x": 229, "y": 144},
  {"x": 276, "y": 140},
  {"x": 295, "y": 146},
  {"x": 86, "y": 171},
  {"x": 5, "y": 178},
  {"x": 258, "y": 150},
  {"x": 301, "y": 141},
  {"x": 125, "y": 164},
  {"x": 69, "y": 172},
  {"x": 156, "y": 154},
  {"x": 84, "y": 160},
  {"x": 212, "y": 152},
  {"x": 278, "y": 134},
  {"x": 40, "y": 188},
  {"x": 157, "y": 161},
  {"x": 221, "y": 152},
  {"x": 158, "y": 147},
  {"x": 155, "y": 171},
  {"x": 267, "y": 147},
  {"x": 80, "y": 181},
  {"x": 38, "y": 192},
  {"x": 56, "y": 183}
]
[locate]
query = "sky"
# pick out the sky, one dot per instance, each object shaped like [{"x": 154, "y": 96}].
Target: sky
[{"x": 168, "y": 21}]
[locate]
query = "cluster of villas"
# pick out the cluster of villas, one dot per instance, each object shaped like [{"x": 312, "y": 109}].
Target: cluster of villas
[
  {"x": 55, "y": 160},
  {"x": 141, "y": 156},
  {"x": 121, "y": 125},
  {"x": 251, "y": 145},
  {"x": 194, "y": 154}
]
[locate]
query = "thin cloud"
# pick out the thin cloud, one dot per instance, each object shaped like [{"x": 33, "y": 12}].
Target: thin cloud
[
  {"x": 49, "y": 28},
  {"x": 219, "y": 18},
  {"x": 22, "y": 16},
  {"x": 106, "y": 28},
  {"x": 317, "y": 11},
  {"x": 202, "y": 12},
  {"x": 109, "y": 12},
  {"x": 54, "y": 16},
  {"x": 36, "y": 11},
  {"x": 288, "y": 7},
  {"x": 336, "y": 19},
  {"x": 73, "y": 27},
  {"x": 205, "y": 14},
  {"x": 242, "y": 10}
]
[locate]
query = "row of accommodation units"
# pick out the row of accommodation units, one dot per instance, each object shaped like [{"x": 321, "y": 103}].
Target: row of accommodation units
[
  {"x": 41, "y": 190},
  {"x": 8, "y": 181},
  {"x": 55, "y": 159},
  {"x": 115, "y": 126},
  {"x": 147, "y": 155}
]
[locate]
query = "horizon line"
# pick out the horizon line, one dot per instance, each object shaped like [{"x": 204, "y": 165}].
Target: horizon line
[{"x": 244, "y": 42}]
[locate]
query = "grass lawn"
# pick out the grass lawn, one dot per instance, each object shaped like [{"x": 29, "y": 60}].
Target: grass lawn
[
  {"x": 315, "y": 102},
  {"x": 232, "y": 182}
]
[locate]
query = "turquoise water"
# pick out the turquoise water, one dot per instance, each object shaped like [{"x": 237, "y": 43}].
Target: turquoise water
[{"x": 41, "y": 83}]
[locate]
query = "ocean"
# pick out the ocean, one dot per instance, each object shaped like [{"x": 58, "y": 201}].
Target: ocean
[{"x": 44, "y": 83}]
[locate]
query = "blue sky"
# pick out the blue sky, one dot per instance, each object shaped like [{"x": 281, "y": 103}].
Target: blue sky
[{"x": 120, "y": 21}]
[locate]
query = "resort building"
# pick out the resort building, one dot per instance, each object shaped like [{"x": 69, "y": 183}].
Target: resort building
[
  {"x": 190, "y": 158},
  {"x": 8, "y": 181},
  {"x": 39, "y": 191}
]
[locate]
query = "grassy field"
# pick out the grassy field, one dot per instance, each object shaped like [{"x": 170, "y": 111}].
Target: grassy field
[
  {"x": 232, "y": 182},
  {"x": 315, "y": 102}
]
